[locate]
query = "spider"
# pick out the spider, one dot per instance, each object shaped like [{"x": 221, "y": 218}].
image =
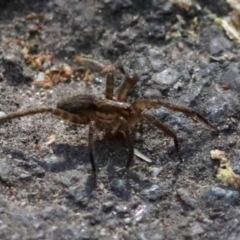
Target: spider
[{"x": 113, "y": 114}]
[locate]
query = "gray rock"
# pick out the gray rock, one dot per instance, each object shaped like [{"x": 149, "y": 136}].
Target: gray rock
[
  {"x": 207, "y": 69},
  {"x": 121, "y": 210},
  {"x": 13, "y": 69},
  {"x": 140, "y": 212},
  {"x": 107, "y": 206},
  {"x": 152, "y": 93},
  {"x": 51, "y": 212},
  {"x": 6, "y": 173},
  {"x": 166, "y": 77},
  {"x": 211, "y": 39},
  {"x": 118, "y": 186},
  {"x": 94, "y": 218},
  {"x": 154, "y": 55},
  {"x": 231, "y": 77},
  {"x": 218, "y": 45},
  {"x": 196, "y": 230},
  {"x": 2, "y": 114},
  {"x": 78, "y": 194},
  {"x": 186, "y": 198},
  {"x": 216, "y": 196},
  {"x": 155, "y": 192},
  {"x": 216, "y": 107},
  {"x": 142, "y": 235}
]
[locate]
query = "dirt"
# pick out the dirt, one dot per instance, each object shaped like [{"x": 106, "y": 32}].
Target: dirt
[{"x": 47, "y": 190}]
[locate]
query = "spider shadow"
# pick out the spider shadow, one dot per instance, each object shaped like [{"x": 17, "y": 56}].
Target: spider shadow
[
  {"x": 110, "y": 154},
  {"x": 67, "y": 158}
]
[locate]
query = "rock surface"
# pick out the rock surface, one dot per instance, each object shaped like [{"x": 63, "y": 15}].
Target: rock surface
[{"x": 46, "y": 189}]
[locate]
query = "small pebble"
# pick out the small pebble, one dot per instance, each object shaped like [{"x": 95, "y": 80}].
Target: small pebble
[
  {"x": 167, "y": 77},
  {"x": 107, "y": 206},
  {"x": 2, "y": 114},
  {"x": 214, "y": 195},
  {"x": 40, "y": 76}
]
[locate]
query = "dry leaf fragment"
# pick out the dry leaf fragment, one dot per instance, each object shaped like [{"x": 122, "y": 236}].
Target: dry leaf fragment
[
  {"x": 224, "y": 171},
  {"x": 231, "y": 31},
  {"x": 90, "y": 64},
  {"x": 66, "y": 70},
  {"x": 235, "y": 4},
  {"x": 142, "y": 156},
  {"x": 227, "y": 176},
  {"x": 217, "y": 154},
  {"x": 51, "y": 140},
  {"x": 183, "y": 4}
]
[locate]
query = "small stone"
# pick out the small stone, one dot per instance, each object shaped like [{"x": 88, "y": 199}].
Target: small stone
[
  {"x": 142, "y": 61},
  {"x": 94, "y": 219},
  {"x": 51, "y": 212},
  {"x": 152, "y": 93},
  {"x": 46, "y": 64},
  {"x": 217, "y": 195},
  {"x": 2, "y": 114},
  {"x": 139, "y": 213},
  {"x": 51, "y": 162},
  {"x": 219, "y": 44},
  {"x": 155, "y": 58},
  {"x": 127, "y": 221},
  {"x": 107, "y": 206},
  {"x": 33, "y": 29},
  {"x": 121, "y": 210},
  {"x": 1, "y": 77},
  {"x": 40, "y": 76},
  {"x": 196, "y": 230},
  {"x": 25, "y": 176},
  {"x": 231, "y": 77},
  {"x": 118, "y": 186},
  {"x": 5, "y": 173},
  {"x": 167, "y": 77},
  {"x": 155, "y": 192},
  {"x": 216, "y": 107},
  {"x": 156, "y": 63},
  {"x": 13, "y": 70},
  {"x": 97, "y": 80},
  {"x": 207, "y": 69},
  {"x": 112, "y": 223},
  {"x": 156, "y": 171},
  {"x": 211, "y": 39},
  {"x": 180, "y": 46},
  {"x": 186, "y": 198},
  {"x": 79, "y": 195}
]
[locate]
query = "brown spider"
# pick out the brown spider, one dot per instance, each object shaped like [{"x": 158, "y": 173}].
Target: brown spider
[{"x": 113, "y": 115}]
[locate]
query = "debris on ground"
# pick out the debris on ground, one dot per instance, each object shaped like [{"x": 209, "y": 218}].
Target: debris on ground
[{"x": 224, "y": 171}]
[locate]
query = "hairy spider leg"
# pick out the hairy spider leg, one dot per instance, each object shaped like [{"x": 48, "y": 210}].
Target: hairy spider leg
[
  {"x": 144, "y": 104},
  {"x": 55, "y": 111},
  {"x": 165, "y": 129},
  {"x": 91, "y": 131},
  {"x": 109, "y": 85},
  {"x": 126, "y": 86}
]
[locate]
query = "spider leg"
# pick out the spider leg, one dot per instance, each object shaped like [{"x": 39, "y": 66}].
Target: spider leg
[
  {"x": 165, "y": 129},
  {"x": 90, "y": 146},
  {"x": 144, "y": 104},
  {"x": 55, "y": 111},
  {"x": 120, "y": 67},
  {"x": 128, "y": 83},
  {"x": 109, "y": 85},
  {"x": 115, "y": 67},
  {"x": 24, "y": 113}
]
